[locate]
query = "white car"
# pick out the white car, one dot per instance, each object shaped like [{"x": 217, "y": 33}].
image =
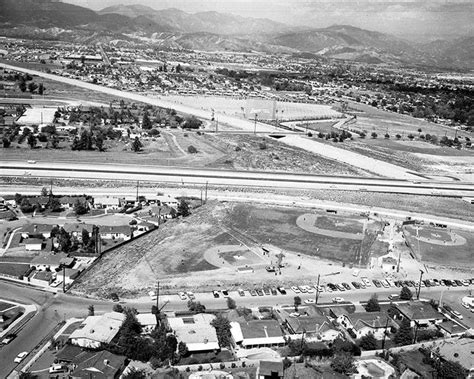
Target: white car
[
  {"x": 310, "y": 301},
  {"x": 466, "y": 282},
  {"x": 321, "y": 289},
  {"x": 457, "y": 315},
  {"x": 20, "y": 357},
  {"x": 366, "y": 282},
  {"x": 182, "y": 296},
  {"x": 337, "y": 300},
  {"x": 295, "y": 314},
  {"x": 309, "y": 289},
  {"x": 191, "y": 295},
  {"x": 302, "y": 289},
  {"x": 295, "y": 289}
]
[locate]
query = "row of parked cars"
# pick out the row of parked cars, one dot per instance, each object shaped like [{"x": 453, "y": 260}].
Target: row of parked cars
[{"x": 333, "y": 287}]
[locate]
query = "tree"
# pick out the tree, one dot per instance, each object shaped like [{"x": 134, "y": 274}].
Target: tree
[
  {"x": 32, "y": 86},
  {"x": 44, "y": 191},
  {"x": 32, "y": 141},
  {"x": 373, "y": 135},
  {"x": 192, "y": 149},
  {"x": 398, "y": 136},
  {"x": 343, "y": 363},
  {"x": 55, "y": 205},
  {"x": 41, "y": 89},
  {"x": 196, "y": 306},
  {"x": 373, "y": 304},
  {"x": 297, "y": 302},
  {"x": 136, "y": 145},
  {"x": 22, "y": 86},
  {"x": 118, "y": 308},
  {"x": 146, "y": 122},
  {"x": 134, "y": 373},
  {"x": 404, "y": 335},
  {"x": 99, "y": 142},
  {"x": 6, "y": 142},
  {"x": 182, "y": 349},
  {"x": 231, "y": 303},
  {"x": 222, "y": 326},
  {"x": 85, "y": 237},
  {"x": 183, "y": 208},
  {"x": 406, "y": 294},
  {"x": 64, "y": 240},
  {"x": 387, "y": 136},
  {"x": 368, "y": 342},
  {"x": 80, "y": 208},
  {"x": 451, "y": 370},
  {"x": 91, "y": 310},
  {"x": 54, "y": 142},
  {"x": 192, "y": 123}
]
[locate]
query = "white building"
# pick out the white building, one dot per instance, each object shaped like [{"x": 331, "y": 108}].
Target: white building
[
  {"x": 97, "y": 330},
  {"x": 195, "y": 331}
]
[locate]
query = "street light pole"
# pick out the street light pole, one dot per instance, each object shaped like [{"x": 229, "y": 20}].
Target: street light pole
[
  {"x": 419, "y": 285},
  {"x": 317, "y": 290}
]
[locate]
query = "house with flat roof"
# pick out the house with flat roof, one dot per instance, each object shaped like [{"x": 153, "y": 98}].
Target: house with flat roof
[
  {"x": 451, "y": 328},
  {"x": 97, "y": 330},
  {"x": 257, "y": 333},
  {"x": 41, "y": 278},
  {"x": 195, "y": 331},
  {"x": 147, "y": 321},
  {"x": 106, "y": 202},
  {"x": 420, "y": 313}
]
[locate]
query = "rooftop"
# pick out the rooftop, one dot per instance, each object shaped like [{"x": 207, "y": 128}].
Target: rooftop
[
  {"x": 98, "y": 365},
  {"x": 372, "y": 319},
  {"x": 100, "y": 328},
  {"x": 48, "y": 259},
  {"x": 460, "y": 350},
  {"x": 260, "y": 329},
  {"x": 267, "y": 367},
  {"x": 196, "y": 331},
  {"x": 418, "y": 310}
]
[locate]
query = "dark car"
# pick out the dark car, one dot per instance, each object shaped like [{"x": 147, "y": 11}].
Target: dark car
[
  {"x": 332, "y": 287},
  {"x": 282, "y": 290},
  {"x": 412, "y": 283},
  {"x": 346, "y": 286},
  {"x": 377, "y": 283},
  {"x": 8, "y": 338},
  {"x": 356, "y": 285},
  {"x": 259, "y": 292},
  {"x": 398, "y": 283},
  {"x": 448, "y": 282},
  {"x": 216, "y": 294},
  {"x": 225, "y": 293},
  {"x": 241, "y": 292},
  {"x": 267, "y": 291},
  {"x": 274, "y": 291},
  {"x": 458, "y": 282},
  {"x": 339, "y": 287},
  {"x": 427, "y": 283}
]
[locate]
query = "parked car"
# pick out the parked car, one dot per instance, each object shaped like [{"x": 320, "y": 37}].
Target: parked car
[
  {"x": 398, "y": 283},
  {"x": 274, "y": 291},
  {"x": 346, "y": 286},
  {"x": 253, "y": 292},
  {"x": 466, "y": 282},
  {"x": 182, "y": 296},
  {"x": 458, "y": 282},
  {"x": 241, "y": 292},
  {"x": 302, "y": 289},
  {"x": 356, "y": 285},
  {"x": 309, "y": 289},
  {"x": 267, "y": 291},
  {"x": 377, "y": 283},
  {"x": 366, "y": 282},
  {"x": 340, "y": 287},
  {"x": 259, "y": 292},
  {"x": 8, "y": 338},
  {"x": 310, "y": 301},
  {"x": 337, "y": 300},
  {"x": 216, "y": 294},
  {"x": 294, "y": 314},
  {"x": 394, "y": 297},
  {"x": 295, "y": 289},
  {"x": 282, "y": 290},
  {"x": 385, "y": 283},
  {"x": 20, "y": 357},
  {"x": 457, "y": 314},
  {"x": 225, "y": 293}
]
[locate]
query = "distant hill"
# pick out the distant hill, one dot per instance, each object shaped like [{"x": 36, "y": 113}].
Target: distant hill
[
  {"x": 133, "y": 25},
  {"x": 208, "y": 22}
]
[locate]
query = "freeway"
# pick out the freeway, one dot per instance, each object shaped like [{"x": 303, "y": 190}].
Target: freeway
[
  {"x": 53, "y": 308},
  {"x": 199, "y": 176}
]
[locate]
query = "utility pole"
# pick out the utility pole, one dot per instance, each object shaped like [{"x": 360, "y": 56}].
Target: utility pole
[
  {"x": 138, "y": 183},
  {"x": 255, "y": 125},
  {"x": 419, "y": 285},
  {"x": 317, "y": 290},
  {"x": 64, "y": 279},
  {"x": 385, "y": 332},
  {"x": 205, "y": 197},
  {"x": 158, "y": 295}
]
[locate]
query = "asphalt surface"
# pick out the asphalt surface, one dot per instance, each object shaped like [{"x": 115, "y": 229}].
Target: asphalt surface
[{"x": 53, "y": 308}]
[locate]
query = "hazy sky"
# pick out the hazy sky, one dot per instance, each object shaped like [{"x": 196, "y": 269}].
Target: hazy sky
[{"x": 410, "y": 18}]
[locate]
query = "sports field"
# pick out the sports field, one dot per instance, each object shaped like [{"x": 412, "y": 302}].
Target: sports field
[{"x": 447, "y": 247}]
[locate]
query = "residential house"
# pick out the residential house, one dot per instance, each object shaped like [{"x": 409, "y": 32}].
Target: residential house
[
  {"x": 35, "y": 230},
  {"x": 41, "y": 278},
  {"x": 39, "y": 201},
  {"x": 270, "y": 370},
  {"x": 106, "y": 202},
  {"x": 167, "y": 200},
  {"x": 195, "y": 331},
  {"x": 123, "y": 232},
  {"x": 389, "y": 264},
  {"x": 315, "y": 327},
  {"x": 48, "y": 262},
  {"x": 10, "y": 200},
  {"x": 75, "y": 229},
  {"x": 451, "y": 328},
  {"x": 147, "y": 321},
  {"x": 459, "y": 350},
  {"x": 419, "y": 313},
  {"x": 364, "y": 323},
  {"x": 258, "y": 333},
  {"x": 128, "y": 201},
  {"x": 97, "y": 330},
  {"x": 33, "y": 244},
  {"x": 68, "y": 202},
  {"x": 98, "y": 365}
]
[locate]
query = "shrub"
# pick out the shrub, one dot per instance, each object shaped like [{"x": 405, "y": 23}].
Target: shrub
[
  {"x": 262, "y": 145},
  {"x": 398, "y": 136},
  {"x": 200, "y": 368},
  {"x": 387, "y": 136},
  {"x": 192, "y": 149}
]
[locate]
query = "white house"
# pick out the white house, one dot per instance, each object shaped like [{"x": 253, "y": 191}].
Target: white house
[
  {"x": 195, "y": 331},
  {"x": 33, "y": 244},
  {"x": 147, "y": 321},
  {"x": 257, "y": 333},
  {"x": 106, "y": 202},
  {"x": 97, "y": 330}
]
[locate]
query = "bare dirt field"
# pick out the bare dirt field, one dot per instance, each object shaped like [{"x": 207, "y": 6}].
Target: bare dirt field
[{"x": 447, "y": 247}]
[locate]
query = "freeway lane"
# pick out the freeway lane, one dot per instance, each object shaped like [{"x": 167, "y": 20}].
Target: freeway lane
[{"x": 200, "y": 176}]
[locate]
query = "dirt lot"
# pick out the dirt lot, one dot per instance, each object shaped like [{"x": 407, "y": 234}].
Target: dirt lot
[{"x": 446, "y": 247}]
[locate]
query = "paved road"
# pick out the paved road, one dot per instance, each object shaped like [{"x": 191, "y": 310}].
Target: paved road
[
  {"x": 54, "y": 308},
  {"x": 194, "y": 176}
]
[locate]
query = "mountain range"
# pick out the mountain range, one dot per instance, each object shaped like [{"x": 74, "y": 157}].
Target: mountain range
[{"x": 175, "y": 29}]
